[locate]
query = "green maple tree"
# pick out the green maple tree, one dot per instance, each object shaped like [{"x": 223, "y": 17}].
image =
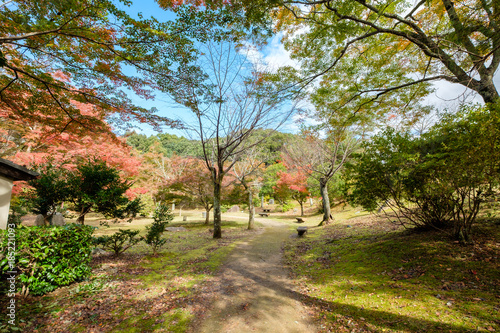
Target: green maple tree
[{"x": 378, "y": 57}]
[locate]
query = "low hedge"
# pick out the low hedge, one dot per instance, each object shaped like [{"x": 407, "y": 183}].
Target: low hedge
[{"x": 49, "y": 257}]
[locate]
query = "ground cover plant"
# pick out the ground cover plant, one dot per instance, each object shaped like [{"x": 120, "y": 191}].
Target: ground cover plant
[
  {"x": 119, "y": 242},
  {"x": 366, "y": 274},
  {"x": 137, "y": 292}
]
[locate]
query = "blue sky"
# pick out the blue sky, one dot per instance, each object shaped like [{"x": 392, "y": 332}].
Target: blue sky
[
  {"x": 447, "y": 95},
  {"x": 274, "y": 55}
]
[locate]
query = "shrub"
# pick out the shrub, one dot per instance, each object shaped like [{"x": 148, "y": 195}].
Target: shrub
[
  {"x": 96, "y": 186},
  {"x": 162, "y": 213},
  {"x": 156, "y": 229},
  {"x": 119, "y": 242},
  {"x": 224, "y": 208},
  {"x": 438, "y": 179},
  {"x": 49, "y": 257},
  {"x": 48, "y": 190},
  {"x": 17, "y": 210},
  {"x": 286, "y": 207}
]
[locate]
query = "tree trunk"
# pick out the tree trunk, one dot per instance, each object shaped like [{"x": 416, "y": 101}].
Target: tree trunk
[
  {"x": 489, "y": 93},
  {"x": 81, "y": 217},
  {"x": 217, "y": 212},
  {"x": 301, "y": 208},
  {"x": 251, "y": 210},
  {"x": 207, "y": 217},
  {"x": 83, "y": 212},
  {"x": 327, "y": 214}
]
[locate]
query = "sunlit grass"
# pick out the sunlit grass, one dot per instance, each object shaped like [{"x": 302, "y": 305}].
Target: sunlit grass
[{"x": 364, "y": 273}]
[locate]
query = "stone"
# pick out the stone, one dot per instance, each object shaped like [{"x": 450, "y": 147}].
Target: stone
[
  {"x": 184, "y": 218},
  {"x": 204, "y": 215},
  {"x": 301, "y": 231},
  {"x": 175, "y": 229},
  {"x": 39, "y": 220},
  {"x": 98, "y": 251},
  {"x": 271, "y": 201},
  {"x": 234, "y": 209},
  {"x": 57, "y": 219}
]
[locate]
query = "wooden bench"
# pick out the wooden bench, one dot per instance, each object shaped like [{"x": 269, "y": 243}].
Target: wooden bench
[
  {"x": 300, "y": 220},
  {"x": 301, "y": 231},
  {"x": 264, "y": 214}
]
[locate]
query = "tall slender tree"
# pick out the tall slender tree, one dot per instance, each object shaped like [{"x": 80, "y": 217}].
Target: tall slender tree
[
  {"x": 246, "y": 171},
  {"x": 231, "y": 103},
  {"x": 322, "y": 159}
]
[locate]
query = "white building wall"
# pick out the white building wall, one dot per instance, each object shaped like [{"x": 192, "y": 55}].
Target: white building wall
[{"x": 5, "y": 194}]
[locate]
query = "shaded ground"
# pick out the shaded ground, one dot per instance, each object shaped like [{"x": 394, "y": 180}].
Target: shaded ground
[
  {"x": 135, "y": 292},
  {"x": 255, "y": 292}
]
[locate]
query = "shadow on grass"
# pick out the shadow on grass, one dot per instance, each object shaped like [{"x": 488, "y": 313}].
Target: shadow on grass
[
  {"x": 136, "y": 292},
  {"x": 416, "y": 275},
  {"x": 379, "y": 319}
]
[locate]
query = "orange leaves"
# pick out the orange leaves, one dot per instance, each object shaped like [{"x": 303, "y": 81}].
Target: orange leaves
[
  {"x": 61, "y": 76},
  {"x": 176, "y": 3},
  {"x": 402, "y": 44},
  {"x": 63, "y": 147},
  {"x": 86, "y": 109},
  {"x": 296, "y": 181}
]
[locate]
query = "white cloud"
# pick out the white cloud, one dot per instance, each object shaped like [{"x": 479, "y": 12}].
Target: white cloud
[
  {"x": 276, "y": 56},
  {"x": 271, "y": 57},
  {"x": 450, "y": 95}
]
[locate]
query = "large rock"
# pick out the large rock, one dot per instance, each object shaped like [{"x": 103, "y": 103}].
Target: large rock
[
  {"x": 234, "y": 209},
  {"x": 57, "y": 219},
  {"x": 175, "y": 229},
  {"x": 39, "y": 221},
  {"x": 98, "y": 251}
]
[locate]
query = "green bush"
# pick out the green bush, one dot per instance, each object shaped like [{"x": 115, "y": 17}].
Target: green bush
[
  {"x": 438, "y": 179},
  {"x": 17, "y": 210},
  {"x": 156, "y": 229},
  {"x": 119, "y": 242},
  {"x": 286, "y": 207},
  {"x": 162, "y": 213},
  {"x": 49, "y": 257}
]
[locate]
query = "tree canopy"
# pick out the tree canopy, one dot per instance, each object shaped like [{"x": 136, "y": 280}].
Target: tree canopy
[
  {"x": 384, "y": 54},
  {"x": 72, "y": 65}
]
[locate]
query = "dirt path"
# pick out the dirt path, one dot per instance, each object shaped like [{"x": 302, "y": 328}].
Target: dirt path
[{"x": 256, "y": 294}]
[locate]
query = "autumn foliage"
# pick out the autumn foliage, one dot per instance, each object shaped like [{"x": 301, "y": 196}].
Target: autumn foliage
[{"x": 293, "y": 184}]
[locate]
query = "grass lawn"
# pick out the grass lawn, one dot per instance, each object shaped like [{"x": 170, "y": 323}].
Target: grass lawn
[
  {"x": 359, "y": 274},
  {"x": 137, "y": 292},
  {"x": 365, "y": 274}
]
